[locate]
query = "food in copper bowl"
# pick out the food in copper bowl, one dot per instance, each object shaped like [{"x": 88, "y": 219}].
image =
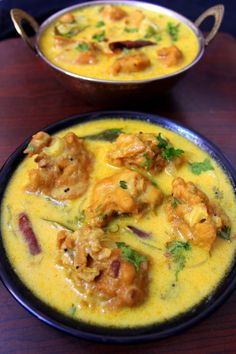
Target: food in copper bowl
[
  {"x": 109, "y": 51},
  {"x": 118, "y": 226}
]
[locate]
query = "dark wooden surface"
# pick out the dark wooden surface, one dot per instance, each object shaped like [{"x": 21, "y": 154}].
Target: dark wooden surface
[{"x": 30, "y": 98}]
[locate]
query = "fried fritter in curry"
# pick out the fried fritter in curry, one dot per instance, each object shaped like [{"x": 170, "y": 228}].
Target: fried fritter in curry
[
  {"x": 193, "y": 216},
  {"x": 100, "y": 272},
  {"x": 142, "y": 151},
  {"x": 125, "y": 192},
  {"x": 64, "y": 166}
]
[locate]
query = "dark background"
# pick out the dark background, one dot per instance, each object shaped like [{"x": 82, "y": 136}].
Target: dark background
[{"x": 41, "y": 9}]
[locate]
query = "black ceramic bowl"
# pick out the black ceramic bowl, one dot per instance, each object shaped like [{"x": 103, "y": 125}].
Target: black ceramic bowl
[{"x": 105, "y": 334}]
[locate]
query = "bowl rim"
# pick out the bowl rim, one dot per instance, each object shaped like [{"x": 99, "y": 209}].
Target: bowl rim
[
  {"x": 98, "y": 333},
  {"x": 146, "y": 5}
]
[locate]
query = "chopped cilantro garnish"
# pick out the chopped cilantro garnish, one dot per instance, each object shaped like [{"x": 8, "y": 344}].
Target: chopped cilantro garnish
[
  {"x": 147, "y": 162},
  {"x": 198, "y": 167},
  {"x": 225, "y": 233},
  {"x": 100, "y": 24},
  {"x": 168, "y": 151},
  {"x": 99, "y": 37},
  {"x": 30, "y": 148},
  {"x": 218, "y": 194},
  {"x": 178, "y": 249},
  {"x": 173, "y": 30},
  {"x": 131, "y": 255},
  {"x": 123, "y": 184},
  {"x": 175, "y": 201},
  {"x": 83, "y": 47},
  {"x": 151, "y": 31},
  {"x": 72, "y": 310},
  {"x": 130, "y": 30}
]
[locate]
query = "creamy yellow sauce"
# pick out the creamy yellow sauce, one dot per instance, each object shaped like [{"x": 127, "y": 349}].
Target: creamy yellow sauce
[
  {"x": 47, "y": 281},
  {"x": 90, "y": 16}
]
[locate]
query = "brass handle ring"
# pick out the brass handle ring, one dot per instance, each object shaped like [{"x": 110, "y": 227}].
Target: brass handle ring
[
  {"x": 18, "y": 16},
  {"x": 217, "y": 12}
]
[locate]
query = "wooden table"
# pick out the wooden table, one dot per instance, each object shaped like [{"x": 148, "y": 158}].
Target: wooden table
[{"x": 31, "y": 98}]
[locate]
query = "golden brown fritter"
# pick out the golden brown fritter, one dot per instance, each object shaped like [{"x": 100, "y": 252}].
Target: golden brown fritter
[
  {"x": 101, "y": 272},
  {"x": 113, "y": 13},
  {"x": 64, "y": 166},
  {"x": 170, "y": 56},
  {"x": 130, "y": 64},
  {"x": 193, "y": 216},
  {"x": 125, "y": 192},
  {"x": 140, "y": 150}
]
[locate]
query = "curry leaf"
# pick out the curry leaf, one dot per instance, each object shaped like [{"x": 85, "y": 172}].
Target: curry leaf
[
  {"x": 131, "y": 255},
  {"x": 72, "y": 310},
  {"x": 123, "y": 184},
  {"x": 105, "y": 135},
  {"x": 198, "y": 167},
  {"x": 225, "y": 233}
]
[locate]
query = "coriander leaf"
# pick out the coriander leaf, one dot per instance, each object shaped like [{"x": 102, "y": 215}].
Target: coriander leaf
[
  {"x": 131, "y": 255},
  {"x": 130, "y": 30},
  {"x": 123, "y": 184},
  {"x": 175, "y": 201},
  {"x": 72, "y": 310},
  {"x": 83, "y": 47},
  {"x": 147, "y": 162},
  {"x": 158, "y": 37},
  {"x": 100, "y": 24},
  {"x": 225, "y": 233},
  {"x": 218, "y": 193},
  {"x": 106, "y": 135},
  {"x": 30, "y": 148},
  {"x": 168, "y": 151},
  {"x": 99, "y": 37},
  {"x": 151, "y": 31},
  {"x": 173, "y": 30},
  {"x": 198, "y": 167},
  {"x": 178, "y": 249}
]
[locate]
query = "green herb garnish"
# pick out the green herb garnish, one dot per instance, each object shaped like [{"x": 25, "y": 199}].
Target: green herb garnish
[
  {"x": 152, "y": 32},
  {"x": 218, "y": 194},
  {"x": 123, "y": 184},
  {"x": 72, "y": 310},
  {"x": 30, "y": 148},
  {"x": 99, "y": 37},
  {"x": 198, "y": 167},
  {"x": 144, "y": 174},
  {"x": 131, "y": 255},
  {"x": 105, "y": 135},
  {"x": 225, "y": 233},
  {"x": 130, "y": 30},
  {"x": 175, "y": 201},
  {"x": 173, "y": 30},
  {"x": 83, "y": 47},
  {"x": 178, "y": 249},
  {"x": 168, "y": 151},
  {"x": 100, "y": 24},
  {"x": 147, "y": 162}
]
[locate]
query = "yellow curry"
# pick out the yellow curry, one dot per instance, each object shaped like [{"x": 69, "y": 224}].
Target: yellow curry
[
  {"x": 119, "y": 222},
  {"x": 118, "y": 42}
]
